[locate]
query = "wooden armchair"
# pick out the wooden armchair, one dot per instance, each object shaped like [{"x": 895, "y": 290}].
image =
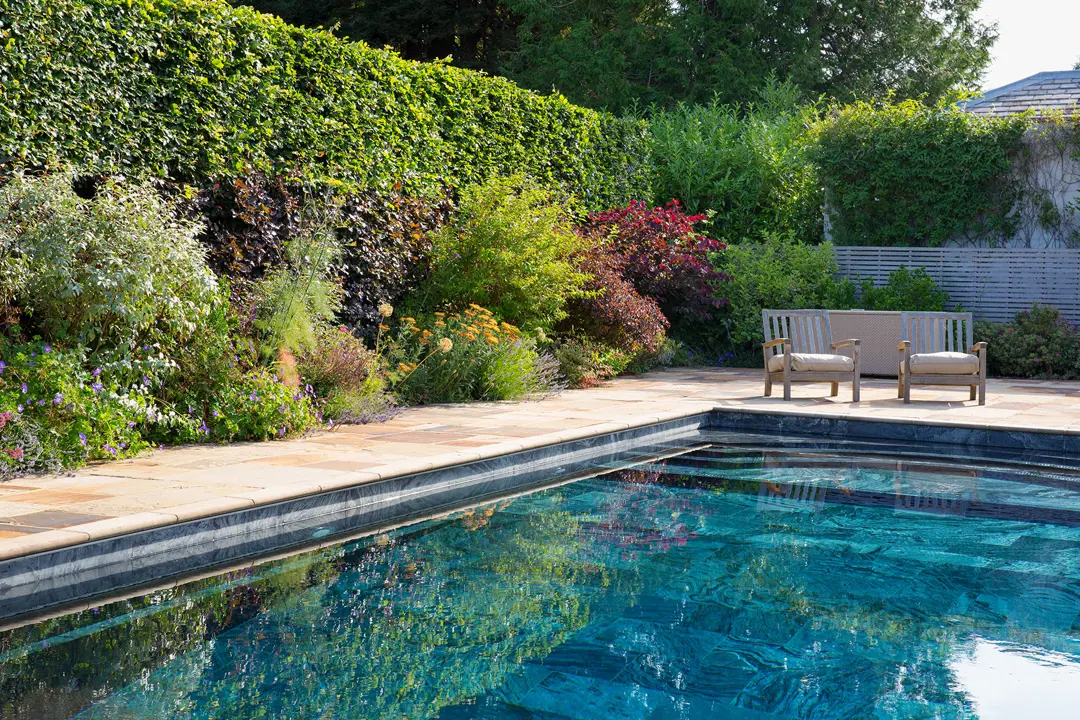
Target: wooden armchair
[
  {"x": 808, "y": 353},
  {"x": 937, "y": 349}
]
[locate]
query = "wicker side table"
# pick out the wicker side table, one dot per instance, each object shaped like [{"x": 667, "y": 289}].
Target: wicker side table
[{"x": 879, "y": 332}]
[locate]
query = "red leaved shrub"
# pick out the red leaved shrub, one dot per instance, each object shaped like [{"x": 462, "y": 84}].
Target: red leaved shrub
[
  {"x": 614, "y": 312},
  {"x": 663, "y": 256}
]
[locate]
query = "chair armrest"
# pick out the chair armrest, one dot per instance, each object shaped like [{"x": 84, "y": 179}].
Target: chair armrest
[
  {"x": 978, "y": 347},
  {"x": 774, "y": 343},
  {"x": 903, "y": 345},
  {"x": 842, "y": 343}
]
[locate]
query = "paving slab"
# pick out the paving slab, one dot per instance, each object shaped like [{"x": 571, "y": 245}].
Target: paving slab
[{"x": 182, "y": 483}]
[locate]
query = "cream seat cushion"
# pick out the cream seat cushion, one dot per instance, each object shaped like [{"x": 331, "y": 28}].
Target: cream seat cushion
[
  {"x": 943, "y": 363},
  {"x": 809, "y": 362}
]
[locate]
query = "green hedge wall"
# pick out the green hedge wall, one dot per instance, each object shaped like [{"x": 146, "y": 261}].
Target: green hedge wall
[
  {"x": 192, "y": 89},
  {"x": 908, "y": 174}
]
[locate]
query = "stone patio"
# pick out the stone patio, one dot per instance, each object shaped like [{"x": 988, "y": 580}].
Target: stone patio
[{"x": 177, "y": 484}]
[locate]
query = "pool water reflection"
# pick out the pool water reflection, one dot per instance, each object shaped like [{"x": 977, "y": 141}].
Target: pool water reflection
[{"x": 751, "y": 578}]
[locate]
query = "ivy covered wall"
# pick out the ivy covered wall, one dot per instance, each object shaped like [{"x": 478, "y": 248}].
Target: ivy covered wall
[{"x": 192, "y": 89}]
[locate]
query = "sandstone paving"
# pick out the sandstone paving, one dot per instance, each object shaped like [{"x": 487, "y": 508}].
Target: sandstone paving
[{"x": 182, "y": 483}]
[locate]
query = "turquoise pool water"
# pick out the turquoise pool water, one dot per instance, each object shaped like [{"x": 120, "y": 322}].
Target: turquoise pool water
[{"x": 744, "y": 578}]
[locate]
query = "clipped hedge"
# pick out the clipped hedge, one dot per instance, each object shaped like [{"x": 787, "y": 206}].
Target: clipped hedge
[
  {"x": 907, "y": 174},
  {"x": 193, "y": 89}
]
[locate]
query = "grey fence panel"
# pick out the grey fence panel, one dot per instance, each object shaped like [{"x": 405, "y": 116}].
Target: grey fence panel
[{"x": 992, "y": 283}]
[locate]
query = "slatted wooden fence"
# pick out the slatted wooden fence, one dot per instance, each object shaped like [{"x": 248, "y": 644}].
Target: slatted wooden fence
[{"x": 992, "y": 283}]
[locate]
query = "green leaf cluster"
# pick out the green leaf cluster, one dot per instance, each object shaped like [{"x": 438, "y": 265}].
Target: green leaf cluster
[
  {"x": 510, "y": 248},
  {"x": 905, "y": 174},
  {"x": 777, "y": 274},
  {"x": 193, "y": 89},
  {"x": 747, "y": 167}
]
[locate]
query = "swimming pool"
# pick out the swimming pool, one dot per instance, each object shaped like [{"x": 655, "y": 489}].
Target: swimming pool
[{"x": 741, "y": 577}]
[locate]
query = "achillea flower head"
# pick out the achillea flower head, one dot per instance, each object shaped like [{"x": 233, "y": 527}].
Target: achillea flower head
[
  {"x": 386, "y": 310},
  {"x": 446, "y": 345}
]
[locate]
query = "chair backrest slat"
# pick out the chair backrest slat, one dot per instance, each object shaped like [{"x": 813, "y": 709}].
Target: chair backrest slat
[
  {"x": 808, "y": 330},
  {"x": 937, "y": 332}
]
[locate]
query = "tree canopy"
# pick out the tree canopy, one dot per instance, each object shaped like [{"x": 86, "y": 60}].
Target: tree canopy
[{"x": 618, "y": 53}]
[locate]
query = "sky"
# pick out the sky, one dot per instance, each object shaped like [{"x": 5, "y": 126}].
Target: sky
[{"x": 1033, "y": 35}]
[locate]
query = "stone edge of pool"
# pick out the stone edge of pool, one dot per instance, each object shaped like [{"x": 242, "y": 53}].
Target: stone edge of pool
[
  {"x": 47, "y": 564},
  {"x": 749, "y": 419}
]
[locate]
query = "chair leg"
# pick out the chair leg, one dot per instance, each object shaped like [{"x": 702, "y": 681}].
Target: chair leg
[
  {"x": 835, "y": 389},
  {"x": 907, "y": 391},
  {"x": 855, "y": 389},
  {"x": 899, "y": 386},
  {"x": 787, "y": 388},
  {"x": 974, "y": 388},
  {"x": 982, "y": 392},
  {"x": 768, "y": 384}
]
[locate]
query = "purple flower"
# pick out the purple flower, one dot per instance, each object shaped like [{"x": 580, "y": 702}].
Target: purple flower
[
  {"x": 20, "y": 407},
  {"x": 131, "y": 424},
  {"x": 97, "y": 387},
  {"x": 204, "y": 430},
  {"x": 97, "y": 371},
  {"x": 145, "y": 381},
  {"x": 109, "y": 449},
  {"x": 82, "y": 438},
  {"x": 331, "y": 421},
  {"x": 47, "y": 348},
  {"x": 216, "y": 414},
  {"x": 253, "y": 396},
  {"x": 281, "y": 410},
  {"x": 24, "y": 388},
  {"x": 33, "y": 354},
  {"x": 41, "y": 402},
  {"x": 2, "y": 366},
  {"x": 190, "y": 410},
  {"x": 281, "y": 431},
  {"x": 58, "y": 399},
  {"x": 123, "y": 445}
]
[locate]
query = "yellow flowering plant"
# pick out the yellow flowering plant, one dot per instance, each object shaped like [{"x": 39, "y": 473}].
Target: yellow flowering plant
[{"x": 466, "y": 355}]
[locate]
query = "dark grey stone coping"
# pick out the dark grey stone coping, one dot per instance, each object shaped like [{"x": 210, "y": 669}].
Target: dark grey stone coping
[
  {"x": 33, "y": 584},
  {"x": 44, "y": 582},
  {"x": 886, "y": 429}
]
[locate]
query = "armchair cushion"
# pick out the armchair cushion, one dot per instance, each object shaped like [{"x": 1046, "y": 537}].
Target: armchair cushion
[
  {"x": 943, "y": 363},
  {"x": 810, "y": 362}
]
